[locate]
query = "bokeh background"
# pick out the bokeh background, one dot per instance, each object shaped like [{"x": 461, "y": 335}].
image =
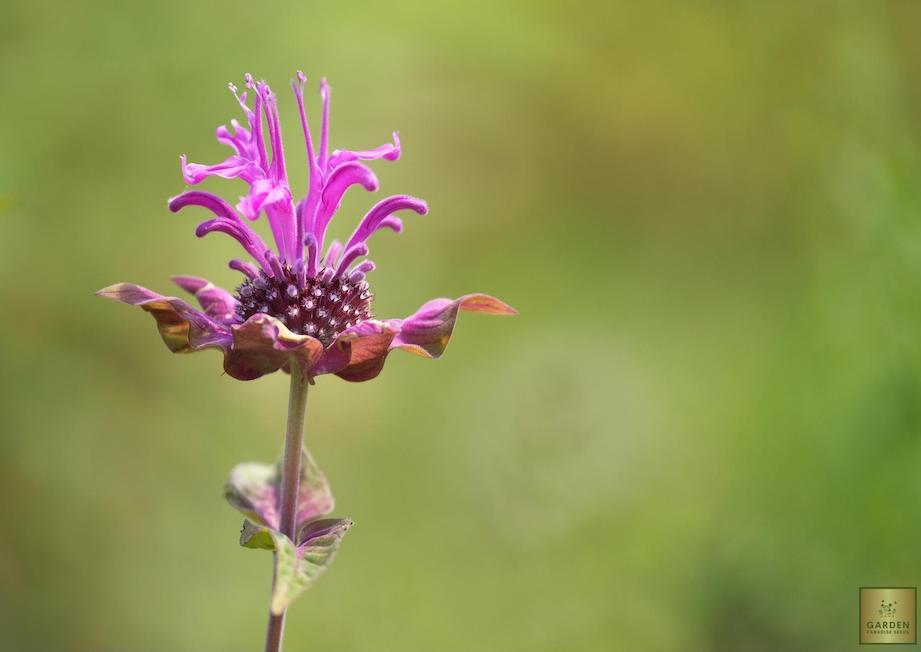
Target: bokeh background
[{"x": 700, "y": 433}]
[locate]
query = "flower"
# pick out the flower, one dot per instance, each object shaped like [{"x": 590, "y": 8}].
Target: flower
[{"x": 296, "y": 302}]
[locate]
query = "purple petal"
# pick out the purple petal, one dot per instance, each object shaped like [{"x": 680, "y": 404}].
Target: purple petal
[
  {"x": 359, "y": 352},
  {"x": 241, "y": 140},
  {"x": 206, "y": 200},
  {"x": 256, "y": 124},
  {"x": 363, "y": 267},
  {"x": 310, "y": 242},
  {"x": 428, "y": 331},
  {"x": 388, "y": 151},
  {"x": 325, "y": 94},
  {"x": 334, "y": 189},
  {"x": 262, "y": 345},
  {"x": 349, "y": 257},
  {"x": 332, "y": 254},
  {"x": 270, "y": 108},
  {"x": 228, "y": 221},
  {"x": 275, "y": 199},
  {"x": 182, "y": 328},
  {"x": 230, "y": 168},
  {"x": 218, "y": 303},
  {"x": 377, "y": 216},
  {"x": 244, "y": 268},
  {"x": 249, "y": 240},
  {"x": 298, "y": 88}
]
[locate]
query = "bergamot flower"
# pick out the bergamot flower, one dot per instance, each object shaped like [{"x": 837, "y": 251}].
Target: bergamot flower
[{"x": 304, "y": 301}]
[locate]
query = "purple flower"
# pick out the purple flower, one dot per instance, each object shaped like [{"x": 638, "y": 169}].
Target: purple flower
[{"x": 303, "y": 299}]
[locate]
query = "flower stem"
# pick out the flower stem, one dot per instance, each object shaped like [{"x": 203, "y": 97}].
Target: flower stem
[{"x": 290, "y": 477}]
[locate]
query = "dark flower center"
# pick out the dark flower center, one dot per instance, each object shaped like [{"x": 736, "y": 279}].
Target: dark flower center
[{"x": 320, "y": 306}]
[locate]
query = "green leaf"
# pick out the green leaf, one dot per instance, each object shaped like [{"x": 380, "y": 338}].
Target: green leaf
[
  {"x": 256, "y": 536},
  {"x": 296, "y": 567},
  {"x": 253, "y": 489}
]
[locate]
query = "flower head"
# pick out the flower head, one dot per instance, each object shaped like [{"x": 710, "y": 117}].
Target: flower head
[{"x": 304, "y": 299}]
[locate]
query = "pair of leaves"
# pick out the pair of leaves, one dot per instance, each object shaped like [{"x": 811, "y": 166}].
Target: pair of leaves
[{"x": 254, "y": 489}]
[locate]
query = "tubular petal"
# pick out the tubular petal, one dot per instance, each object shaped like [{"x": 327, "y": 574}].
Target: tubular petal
[
  {"x": 364, "y": 267},
  {"x": 244, "y": 268},
  {"x": 217, "y": 302},
  {"x": 324, "y": 129},
  {"x": 310, "y": 242},
  {"x": 380, "y": 212},
  {"x": 388, "y": 151},
  {"x": 206, "y": 200},
  {"x": 350, "y": 255},
  {"x": 334, "y": 189},
  {"x": 241, "y": 140},
  {"x": 250, "y": 241},
  {"x": 230, "y": 168},
  {"x": 332, "y": 254}
]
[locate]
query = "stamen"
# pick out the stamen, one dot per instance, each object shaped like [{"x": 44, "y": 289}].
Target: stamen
[{"x": 317, "y": 305}]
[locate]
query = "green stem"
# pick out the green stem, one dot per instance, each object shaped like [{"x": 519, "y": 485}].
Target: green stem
[{"x": 290, "y": 477}]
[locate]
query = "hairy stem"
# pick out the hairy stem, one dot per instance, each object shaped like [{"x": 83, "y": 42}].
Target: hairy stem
[{"x": 290, "y": 477}]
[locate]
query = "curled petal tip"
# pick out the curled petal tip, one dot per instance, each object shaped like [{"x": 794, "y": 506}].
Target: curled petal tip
[
  {"x": 109, "y": 292},
  {"x": 301, "y": 77},
  {"x": 485, "y": 303},
  {"x": 189, "y": 283}
]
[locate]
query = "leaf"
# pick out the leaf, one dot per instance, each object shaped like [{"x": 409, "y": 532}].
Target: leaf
[
  {"x": 296, "y": 568},
  {"x": 253, "y": 489},
  {"x": 256, "y": 536}
]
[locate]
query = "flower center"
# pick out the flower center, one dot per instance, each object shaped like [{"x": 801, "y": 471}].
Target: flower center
[{"x": 322, "y": 306}]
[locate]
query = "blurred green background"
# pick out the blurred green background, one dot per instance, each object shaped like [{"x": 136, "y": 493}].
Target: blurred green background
[{"x": 701, "y": 432}]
